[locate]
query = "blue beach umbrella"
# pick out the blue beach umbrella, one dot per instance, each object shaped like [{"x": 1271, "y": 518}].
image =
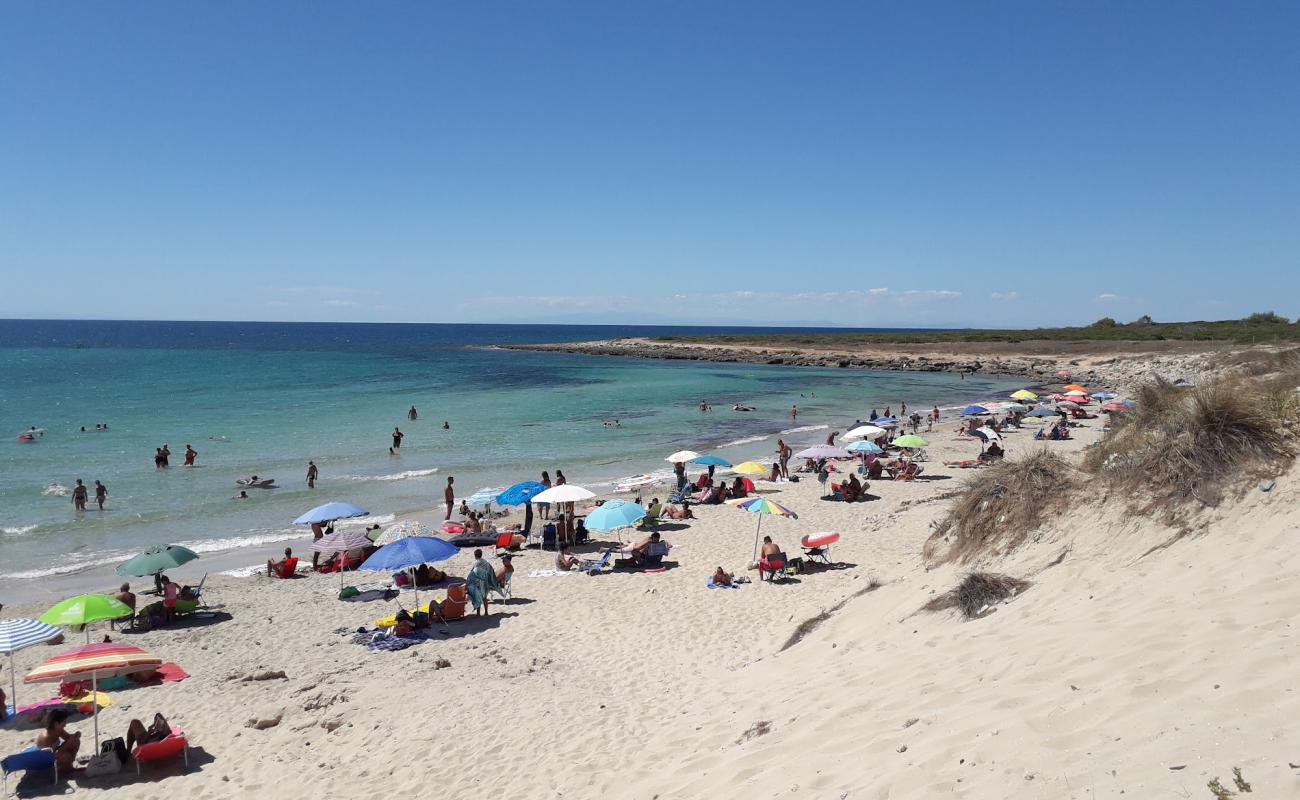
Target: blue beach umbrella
[
  {"x": 708, "y": 460},
  {"x": 409, "y": 552},
  {"x": 864, "y": 447},
  {"x": 885, "y": 422},
  {"x": 1041, "y": 411},
  {"x": 520, "y": 493},
  {"x": 331, "y": 511},
  {"x": 1104, "y": 395},
  {"x": 615, "y": 514},
  {"x": 974, "y": 410},
  {"x": 18, "y": 634}
]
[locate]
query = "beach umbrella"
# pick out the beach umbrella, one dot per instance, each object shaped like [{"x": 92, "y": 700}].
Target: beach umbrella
[
  {"x": 94, "y": 661},
  {"x": 1070, "y": 404},
  {"x": 1074, "y": 387},
  {"x": 520, "y": 493},
  {"x": 751, "y": 468},
  {"x": 1041, "y": 411},
  {"x": 910, "y": 441},
  {"x": 19, "y": 634},
  {"x": 885, "y": 422},
  {"x": 1076, "y": 393},
  {"x": 1016, "y": 407},
  {"x": 971, "y": 410},
  {"x": 341, "y": 542},
  {"x": 401, "y": 530},
  {"x": 331, "y": 511},
  {"x": 156, "y": 559},
  {"x": 84, "y": 609},
  {"x": 865, "y": 432},
  {"x": 1104, "y": 395},
  {"x": 987, "y": 435},
  {"x": 637, "y": 483},
  {"x": 615, "y": 514},
  {"x": 761, "y": 505},
  {"x": 823, "y": 451},
  {"x": 564, "y": 493},
  {"x": 1114, "y": 407},
  {"x": 1064, "y": 373},
  {"x": 485, "y": 497},
  {"x": 1024, "y": 394},
  {"x": 864, "y": 447},
  {"x": 711, "y": 461},
  {"x": 682, "y": 456},
  {"x": 409, "y": 552}
]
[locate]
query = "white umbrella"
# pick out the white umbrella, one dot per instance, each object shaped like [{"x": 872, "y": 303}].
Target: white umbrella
[
  {"x": 869, "y": 432},
  {"x": 564, "y": 493},
  {"x": 824, "y": 451},
  {"x": 682, "y": 456}
]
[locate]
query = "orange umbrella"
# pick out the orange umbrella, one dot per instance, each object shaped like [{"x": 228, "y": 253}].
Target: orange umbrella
[
  {"x": 1074, "y": 387},
  {"x": 94, "y": 661}
]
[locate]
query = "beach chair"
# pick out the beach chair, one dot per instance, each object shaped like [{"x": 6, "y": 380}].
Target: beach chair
[
  {"x": 592, "y": 567},
  {"x": 33, "y": 759},
  {"x": 196, "y": 592},
  {"x": 175, "y": 744},
  {"x": 504, "y": 540},
  {"x": 654, "y": 555},
  {"x": 504, "y": 588},
  {"x": 773, "y": 563}
]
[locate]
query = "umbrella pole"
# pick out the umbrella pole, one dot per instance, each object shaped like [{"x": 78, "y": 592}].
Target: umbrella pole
[
  {"x": 756, "y": 532},
  {"x": 13, "y": 682},
  {"x": 94, "y": 703}
]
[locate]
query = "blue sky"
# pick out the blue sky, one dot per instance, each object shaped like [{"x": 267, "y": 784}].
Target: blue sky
[{"x": 854, "y": 163}]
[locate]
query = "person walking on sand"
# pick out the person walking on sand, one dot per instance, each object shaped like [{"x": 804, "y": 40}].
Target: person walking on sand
[
  {"x": 190, "y": 455},
  {"x": 397, "y": 438},
  {"x": 783, "y": 456},
  {"x": 449, "y": 497},
  {"x": 79, "y": 496},
  {"x": 101, "y": 494},
  {"x": 413, "y": 414},
  {"x": 312, "y": 472}
]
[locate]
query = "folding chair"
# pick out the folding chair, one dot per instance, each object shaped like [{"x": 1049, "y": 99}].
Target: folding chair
[{"x": 31, "y": 759}]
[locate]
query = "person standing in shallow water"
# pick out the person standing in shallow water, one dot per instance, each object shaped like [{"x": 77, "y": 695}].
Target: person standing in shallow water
[
  {"x": 397, "y": 438},
  {"x": 101, "y": 494},
  {"x": 79, "y": 496},
  {"x": 190, "y": 455},
  {"x": 312, "y": 472},
  {"x": 412, "y": 414}
]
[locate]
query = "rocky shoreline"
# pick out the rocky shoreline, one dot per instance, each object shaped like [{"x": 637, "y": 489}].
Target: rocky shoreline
[{"x": 1092, "y": 369}]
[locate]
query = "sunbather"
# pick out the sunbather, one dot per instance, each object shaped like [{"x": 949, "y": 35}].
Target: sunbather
[
  {"x": 649, "y": 551},
  {"x": 137, "y": 733},
  {"x": 426, "y": 575},
  {"x": 55, "y": 736},
  {"x": 738, "y": 487},
  {"x": 721, "y": 577},
  {"x": 565, "y": 560},
  {"x": 277, "y": 569}
]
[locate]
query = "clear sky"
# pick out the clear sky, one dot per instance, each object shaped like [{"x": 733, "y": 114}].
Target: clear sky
[{"x": 893, "y": 163}]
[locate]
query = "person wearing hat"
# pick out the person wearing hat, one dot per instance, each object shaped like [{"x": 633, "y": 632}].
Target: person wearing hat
[{"x": 507, "y": 567}]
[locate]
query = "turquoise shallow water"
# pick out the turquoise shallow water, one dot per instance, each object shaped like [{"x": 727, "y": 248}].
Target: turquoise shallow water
[{"x": 278, "y": 395}]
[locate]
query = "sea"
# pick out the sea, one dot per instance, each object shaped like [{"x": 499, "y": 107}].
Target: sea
[{"x": 265, "y": 398}]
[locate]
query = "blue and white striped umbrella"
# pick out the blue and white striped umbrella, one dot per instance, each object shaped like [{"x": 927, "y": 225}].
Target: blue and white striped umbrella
[{"x": 16, "y": 634}]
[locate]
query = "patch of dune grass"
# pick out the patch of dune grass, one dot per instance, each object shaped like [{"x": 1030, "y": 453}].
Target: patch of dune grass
[
  {"x": 1000, "y": 506},
  {"x": 977, "y": 592},
  {"x": 1195, "y": 444}
]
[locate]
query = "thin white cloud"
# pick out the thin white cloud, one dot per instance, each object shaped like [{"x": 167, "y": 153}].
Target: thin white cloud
[
  {"x": 337, "y": 303},
  {"x": 1004, "y": 296}
]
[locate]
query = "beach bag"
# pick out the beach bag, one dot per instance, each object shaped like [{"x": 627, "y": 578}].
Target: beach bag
[
  {"x": 106, "y": 761},
  {"x": 348, "y": 591}
]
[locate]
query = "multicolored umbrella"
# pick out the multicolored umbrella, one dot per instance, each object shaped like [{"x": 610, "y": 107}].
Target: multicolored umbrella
[
  {"x": 157, "y": 559},
  {"x": 94, "y": 661},
  {"x": 341, "y": 542},
  {"x": 19, "y": 634},
  {"x": 762, "y": 505},
  {"x": 84, "y": 609},
  {"x": 400, "y": 530}
]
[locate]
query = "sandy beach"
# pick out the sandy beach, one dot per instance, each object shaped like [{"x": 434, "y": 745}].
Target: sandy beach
[{"x": 1118, "y": 671}]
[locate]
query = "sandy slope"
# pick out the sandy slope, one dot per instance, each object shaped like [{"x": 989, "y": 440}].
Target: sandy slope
[{"x": 1110, "y": 670}]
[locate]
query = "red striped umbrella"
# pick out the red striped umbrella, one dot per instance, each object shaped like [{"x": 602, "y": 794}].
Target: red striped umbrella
[{"x": 94, "y": 661}]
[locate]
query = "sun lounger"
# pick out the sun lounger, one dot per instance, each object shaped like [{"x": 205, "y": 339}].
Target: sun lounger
[
  {"x": 592, "y": 567},
  {"x": 32, "y": 759},
  {"x": 175, "y": 744}
]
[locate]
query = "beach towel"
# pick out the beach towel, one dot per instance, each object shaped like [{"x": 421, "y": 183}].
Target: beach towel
[
  {"x": 481, "y": 580},
  {"x": 171, "y": 672},
  {"x": 547, "y": 573},
  {"x": 713, "y": 585}
]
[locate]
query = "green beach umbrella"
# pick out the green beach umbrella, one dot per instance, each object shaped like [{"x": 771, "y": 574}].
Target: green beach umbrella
[
  {"x": 84, "y": 609},
  {"x": 910, "y": 441},
  {"x": 157, "y": 559}
]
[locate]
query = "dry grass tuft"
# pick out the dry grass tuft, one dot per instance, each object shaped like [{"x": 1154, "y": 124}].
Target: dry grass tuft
[
  {"x": 977, "y": 592},
  {"x": 1000, "y": 506},
  {"x": 1193, "y": 444}
]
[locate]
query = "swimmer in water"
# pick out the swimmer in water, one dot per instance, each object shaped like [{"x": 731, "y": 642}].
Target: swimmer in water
[
  {"x": 446, "y": 426},
  {"x": 412, "y": 414},
  {"x": 241, "y": 496}
]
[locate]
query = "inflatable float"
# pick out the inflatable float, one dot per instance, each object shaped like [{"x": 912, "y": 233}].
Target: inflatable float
[
  {"x": 819, "y": 540},
  {"x": 260, "y": 483},
  {"x": 453, "y": 527}
]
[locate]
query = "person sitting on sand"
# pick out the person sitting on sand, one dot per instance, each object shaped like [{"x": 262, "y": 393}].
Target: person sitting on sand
[
  {"x": 738, "y": 488},
  {"x": 565, "y": 560},
  {"x": 649, "y": 551},
  {"x": 678, "y": 512},
  {"x": 721, "y": 577},
  {"x": 277, "y": 568},
  {"x": 55, "y": 737},
  {"x": 994, "y": 452},
  {"x": 127, "y": 598},
  {"x": 137, "y": 733},
  {"x": 426, "y": 575},
  {"x": 852, "y": 489}
]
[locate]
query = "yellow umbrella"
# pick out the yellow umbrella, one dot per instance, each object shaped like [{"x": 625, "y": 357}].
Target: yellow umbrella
[
  {"x": 752, "y": 468},
  {"x": 1024, "y": 394}
]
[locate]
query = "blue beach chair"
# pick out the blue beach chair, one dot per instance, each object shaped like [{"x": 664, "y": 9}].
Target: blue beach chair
[{"x": 31, "y": 759}]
